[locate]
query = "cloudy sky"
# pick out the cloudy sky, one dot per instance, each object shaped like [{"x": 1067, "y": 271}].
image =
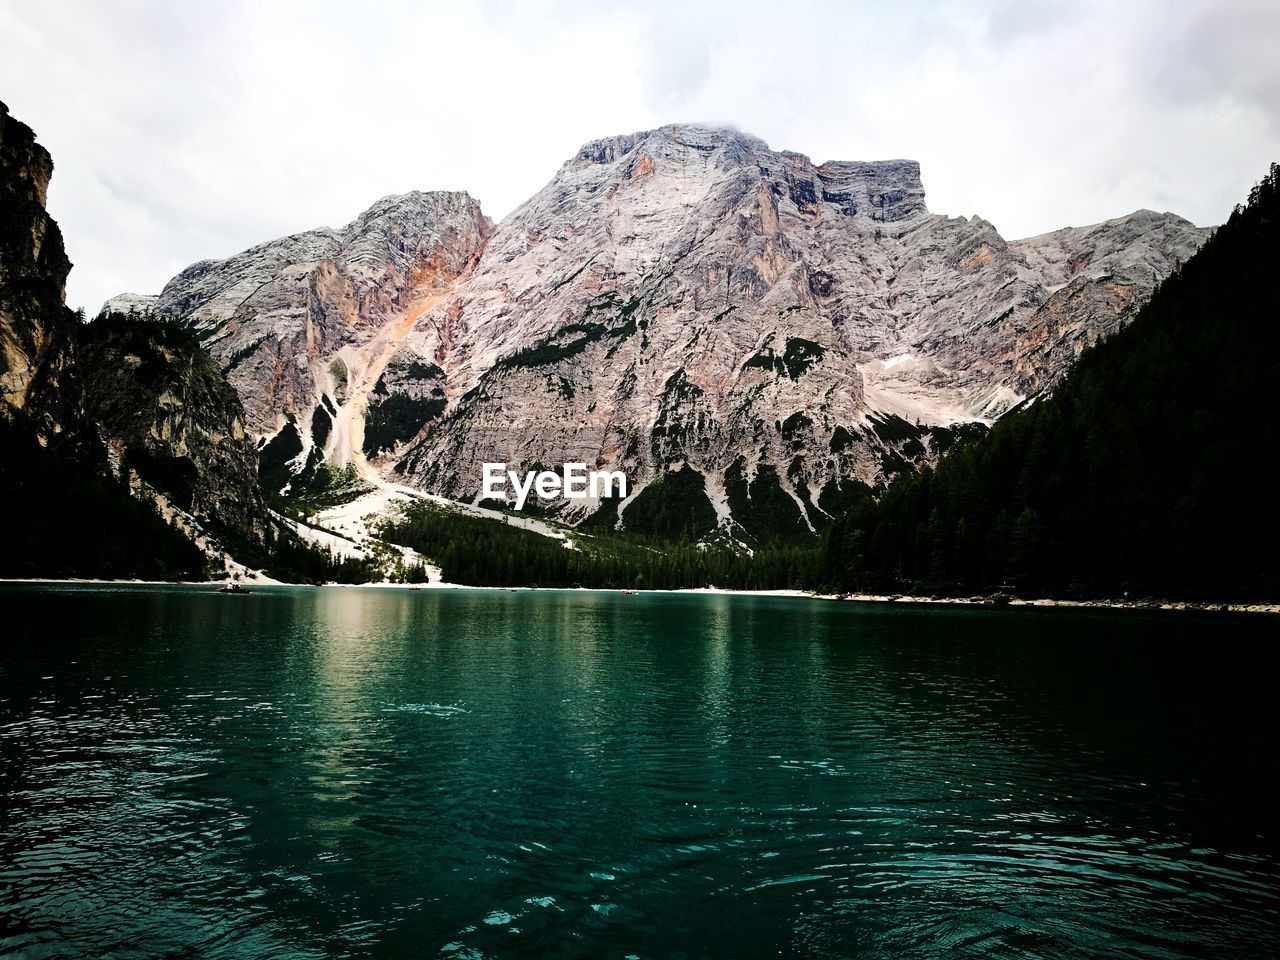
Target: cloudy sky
[{"x": 181, "y": 132}]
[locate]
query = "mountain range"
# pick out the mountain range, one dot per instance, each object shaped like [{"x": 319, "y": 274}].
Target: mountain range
[
  {"x": 684, "y": 299},
  {"x": 758, "y": 341}
]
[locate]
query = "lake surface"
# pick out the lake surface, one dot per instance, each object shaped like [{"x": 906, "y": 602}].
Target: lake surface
[{"x": 371, "y": 772}]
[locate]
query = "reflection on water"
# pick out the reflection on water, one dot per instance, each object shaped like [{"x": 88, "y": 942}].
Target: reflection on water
[{"x": 364, "y": 772}]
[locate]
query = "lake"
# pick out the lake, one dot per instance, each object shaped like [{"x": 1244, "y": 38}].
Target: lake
[{"x": 373, "y": 772}]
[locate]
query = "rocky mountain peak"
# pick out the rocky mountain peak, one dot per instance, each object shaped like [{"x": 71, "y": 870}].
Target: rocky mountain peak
[
  {"x": 678, "y": 299},
  {"x": 418, "y": 209},
  {"x": 677, "y": 143},
  {"x": 136, "y": 303},
  {"x": 36, "y": 166},
  {"x": 881, "y": 190},
  {"x": 304, "y": 326}
]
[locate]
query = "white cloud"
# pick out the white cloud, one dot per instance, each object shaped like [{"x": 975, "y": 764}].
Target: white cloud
[{"x": 182, "y": 132}]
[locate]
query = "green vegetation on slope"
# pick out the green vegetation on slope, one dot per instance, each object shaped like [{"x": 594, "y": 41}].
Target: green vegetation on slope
[
  {"x": 482, "y": 552},
  {"x": 286, "y": 557},
  {"x": 761, "y": 505},
  {"x": 674, "y": 507}
]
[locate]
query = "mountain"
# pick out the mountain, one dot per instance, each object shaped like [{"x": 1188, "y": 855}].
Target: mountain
[
  {"x": 126, "y": 303},
  {"x": 1149, "y": 469},
  {"x": 123, "y": 450},
  {"x": 680, "y": 302},
  {"x": 34, "y": 321},
  {"x": 169, "y": 419},
  {"x": 319, "y": 314}
]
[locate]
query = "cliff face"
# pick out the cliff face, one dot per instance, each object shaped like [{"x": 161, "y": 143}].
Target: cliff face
[
  {"x": 688, "y": 296},
  {"x": 305, "y": 326},
  {"x": 92, "y": 413},
  {"x": 137, "y": 304},
  {"x": 34, "y": 320},
  {"x": 683, "y": 299},
  {"x": 1094, "y": 280},
  {"x": 169, "y": 418}
]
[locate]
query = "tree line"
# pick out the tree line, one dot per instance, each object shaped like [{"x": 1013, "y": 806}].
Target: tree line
[{"x": 482, "y": 552}]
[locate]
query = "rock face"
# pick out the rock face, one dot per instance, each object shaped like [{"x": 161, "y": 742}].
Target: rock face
[
  {"x": 34, "y": 320},
  {"x": 169, "y": 418},
  {"x": 684, "y": 300},
  {"x": 687, "y": 296},
  {"x": 1095, "y": 278},
  {"x": 92, "y": 413},
  {"x": 304, "y": 326},
  {"x": 140, "y": 304}
]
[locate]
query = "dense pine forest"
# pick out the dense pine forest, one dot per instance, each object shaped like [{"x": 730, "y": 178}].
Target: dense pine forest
[
  {"x": 1150, "y": 468},
  {"x": 480, "y": 552}
]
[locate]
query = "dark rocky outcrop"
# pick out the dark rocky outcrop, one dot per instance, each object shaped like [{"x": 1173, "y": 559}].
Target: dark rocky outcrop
[
  {"x": 169, "y": 418},
  {"x": 122, "y": 447},
  {"x": 35, "y": 323}
]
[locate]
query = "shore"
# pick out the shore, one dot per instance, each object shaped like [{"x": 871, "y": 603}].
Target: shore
[{"x": 905, "y": 600}]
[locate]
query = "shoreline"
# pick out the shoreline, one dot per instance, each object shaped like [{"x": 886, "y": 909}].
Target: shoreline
[{"x": 899, "y": 599}]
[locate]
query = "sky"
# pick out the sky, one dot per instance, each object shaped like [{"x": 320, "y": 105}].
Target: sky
[{"x": 181, "y": 132}]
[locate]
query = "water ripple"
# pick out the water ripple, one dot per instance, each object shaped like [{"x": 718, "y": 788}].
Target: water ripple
[{"x": 381, "y": 773}]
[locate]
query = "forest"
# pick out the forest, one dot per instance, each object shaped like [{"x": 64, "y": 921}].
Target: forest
[{"x": 482, "y": 552}]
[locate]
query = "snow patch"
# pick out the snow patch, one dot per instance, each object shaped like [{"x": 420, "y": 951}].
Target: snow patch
[{"x": 895, "y": 361}]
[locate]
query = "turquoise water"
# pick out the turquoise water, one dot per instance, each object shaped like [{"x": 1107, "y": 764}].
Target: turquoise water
[{"x": 364, "y": 772}]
